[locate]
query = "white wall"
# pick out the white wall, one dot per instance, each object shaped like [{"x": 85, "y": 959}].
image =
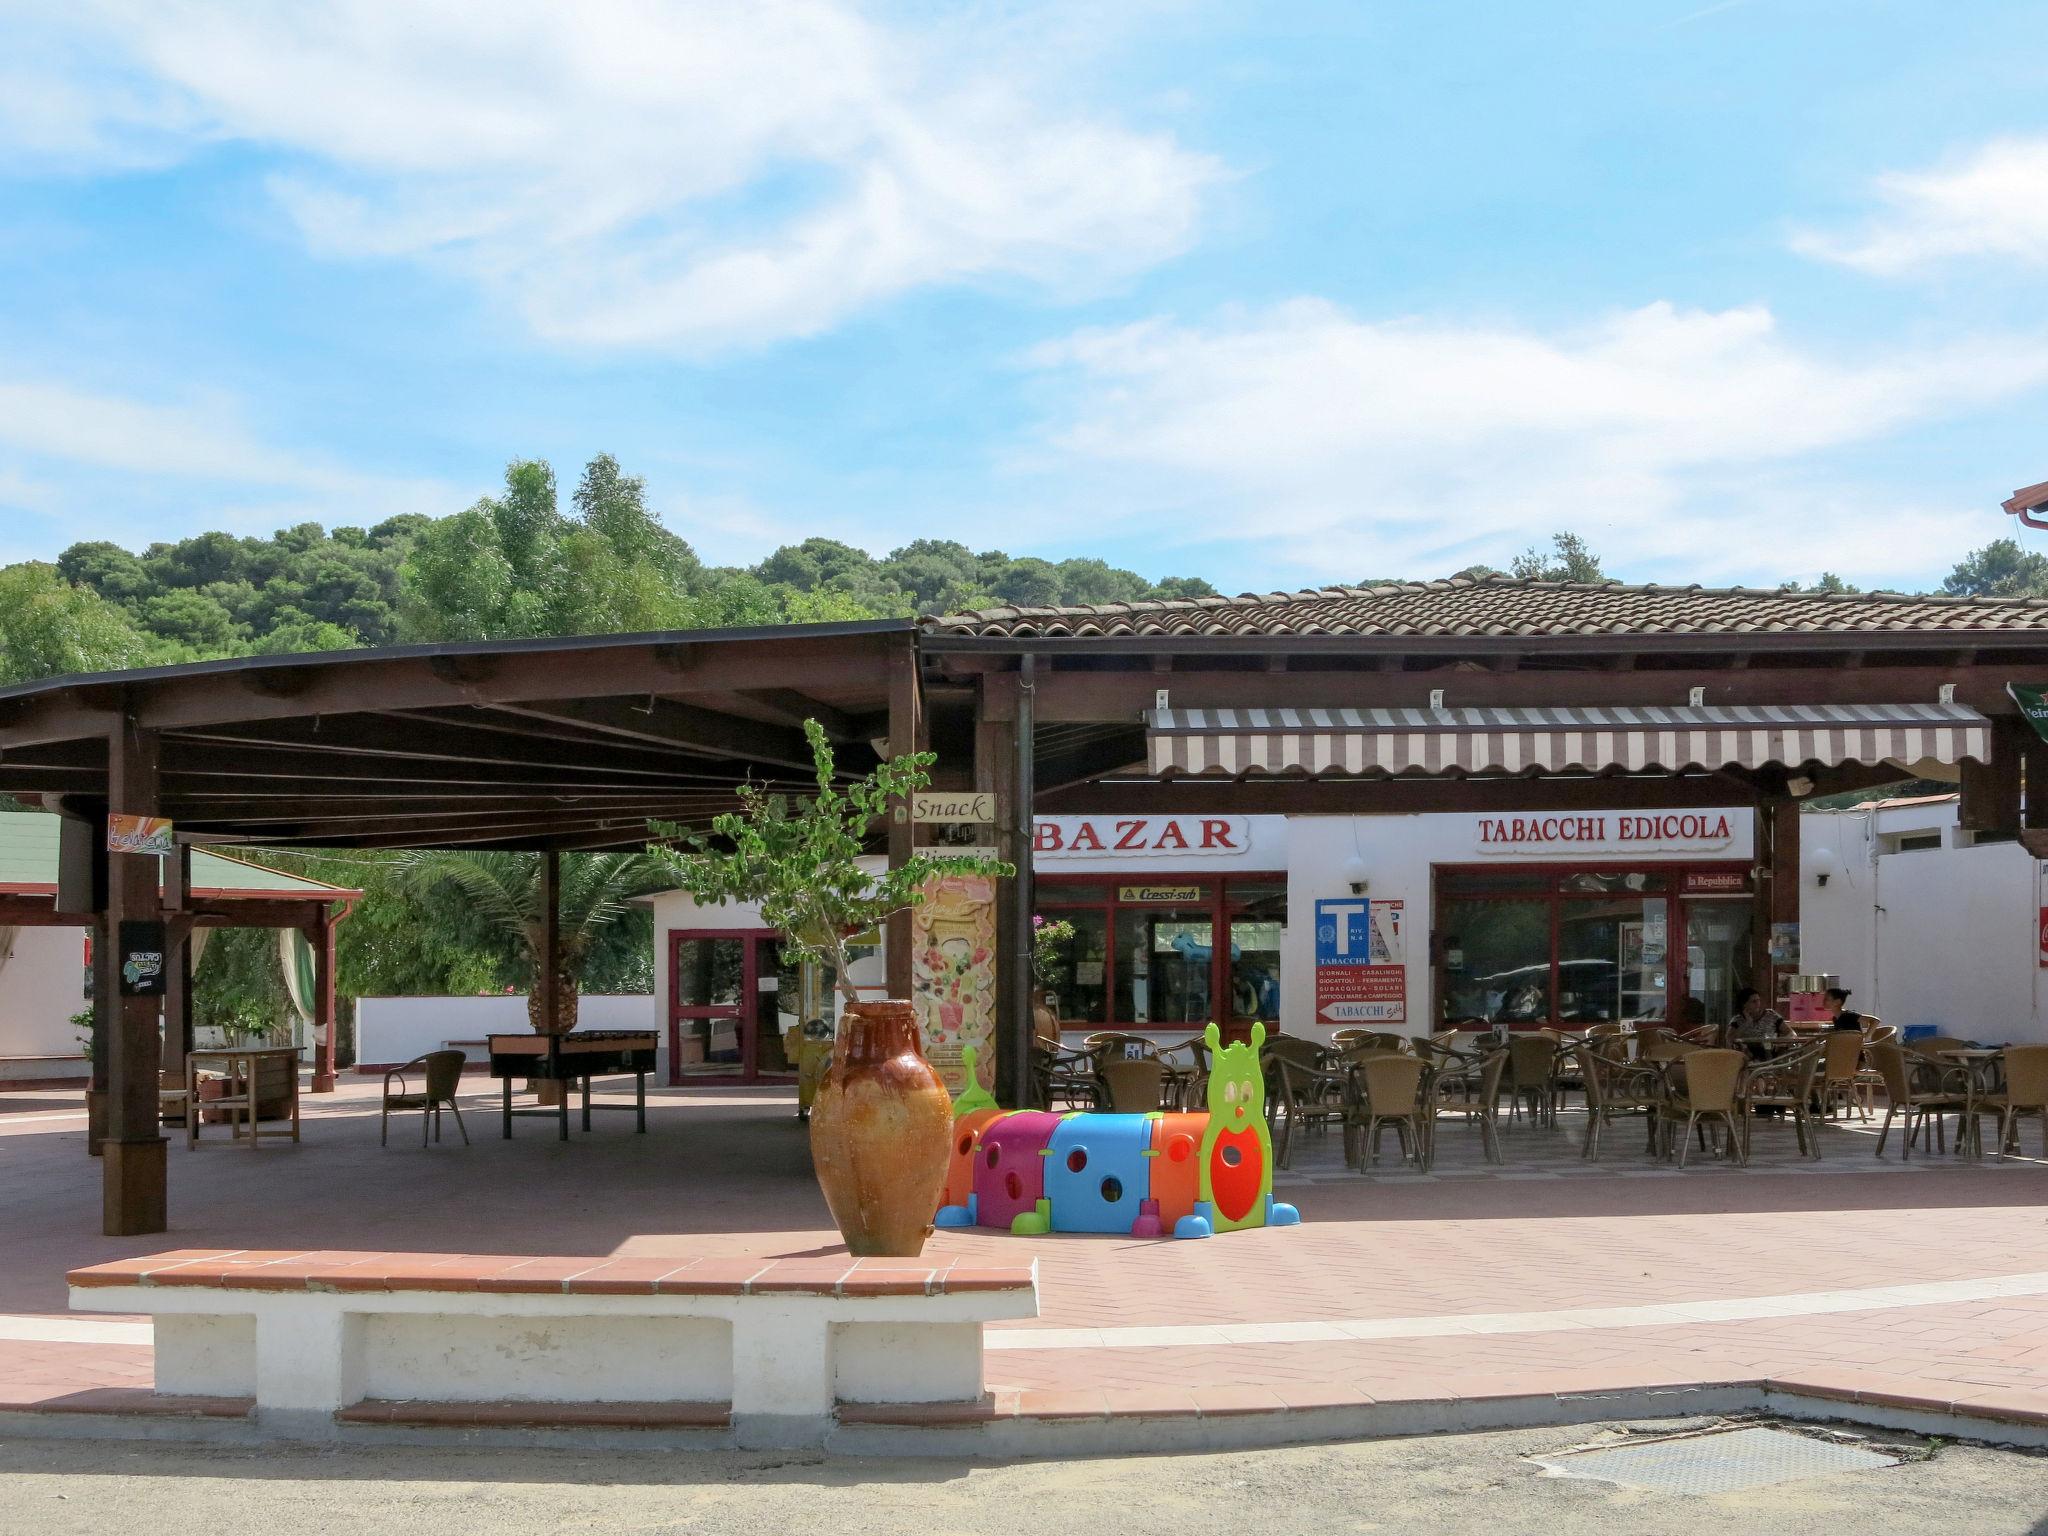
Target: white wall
[
  {"x": 391, "y": 1030},
  {"x": 41, "y": 986},
  {"x": 1945, "y": 936}
]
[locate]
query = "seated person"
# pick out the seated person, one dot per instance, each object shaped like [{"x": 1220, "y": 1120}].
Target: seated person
[
  {"x": 1754, "y": 1023},
  {"x": 1845, "y": 1017}
]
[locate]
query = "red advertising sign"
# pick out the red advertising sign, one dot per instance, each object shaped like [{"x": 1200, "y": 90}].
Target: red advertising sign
[
  {"x": 2044, "y": 938},
  {"x": 1361, "y": 994},
  {"x": 1716, "y": 882}
]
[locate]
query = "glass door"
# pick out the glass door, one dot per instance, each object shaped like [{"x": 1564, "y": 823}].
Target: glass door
[
  {"x": 1716, "y": 959},
  {"x": 727, "y": 995}
]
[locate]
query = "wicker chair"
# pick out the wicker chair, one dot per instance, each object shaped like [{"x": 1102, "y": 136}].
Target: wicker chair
[
  {"x": 440, "y": 1073},
  {"x": 1842, "y": 1073},
  {"x": 1787, "y": 1084},
  {"x": 1615, "y": 1088},
  {"x": 2025, "y": 1093},
  {"x": 1711, "y": 1080},
  {"x": 1134, "y": 1087},
  {"x": 1532, "y": 1075},
  {"x": 1917, "y": 1087},
  {"x": 1475, "y": 1097},
  {"x": 1387, "y": 1088},
  {"x": 1311, "y": 1095}
]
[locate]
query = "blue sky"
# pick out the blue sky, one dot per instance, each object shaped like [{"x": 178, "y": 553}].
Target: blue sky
[{"x": 1279, "y": 296}]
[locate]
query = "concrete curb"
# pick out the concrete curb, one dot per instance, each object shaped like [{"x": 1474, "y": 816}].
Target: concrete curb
[{"x": 1024, "y": 1437}]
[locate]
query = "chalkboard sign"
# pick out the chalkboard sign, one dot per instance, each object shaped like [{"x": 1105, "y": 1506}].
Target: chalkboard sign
[{"x": 142, "y": 959}]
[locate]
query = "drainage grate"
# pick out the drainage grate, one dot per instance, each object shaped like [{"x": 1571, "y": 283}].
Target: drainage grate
[{"x": 1721, "y": 1461}]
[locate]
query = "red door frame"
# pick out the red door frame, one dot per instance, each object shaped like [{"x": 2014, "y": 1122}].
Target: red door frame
[{"x": 745, "y": 1013}]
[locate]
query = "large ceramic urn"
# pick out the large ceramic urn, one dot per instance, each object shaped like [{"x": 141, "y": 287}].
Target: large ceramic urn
[{"x": 881, "y": 1130}]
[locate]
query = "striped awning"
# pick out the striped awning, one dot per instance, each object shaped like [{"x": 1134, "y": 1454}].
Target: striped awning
[{"x": 1234, "y": 742}]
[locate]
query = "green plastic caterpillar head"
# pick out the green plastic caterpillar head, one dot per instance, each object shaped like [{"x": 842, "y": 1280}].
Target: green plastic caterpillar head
[
  {"x": 973, "y": 1096},
  {"x": 1237, "y": 1085}
]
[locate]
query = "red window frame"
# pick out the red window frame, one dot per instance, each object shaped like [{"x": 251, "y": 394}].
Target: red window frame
[
  {"x": 1677, "y": 899},
  {"x": 1217, "y": 904}
]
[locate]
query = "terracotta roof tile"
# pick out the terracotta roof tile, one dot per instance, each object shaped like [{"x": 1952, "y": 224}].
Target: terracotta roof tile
[{"x": 1505, "y": 606}]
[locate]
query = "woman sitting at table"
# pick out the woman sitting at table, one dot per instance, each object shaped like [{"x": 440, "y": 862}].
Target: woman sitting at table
[
  {"x": 1845, "y": 1017},
  {"x": 1754, "y": 1023}
]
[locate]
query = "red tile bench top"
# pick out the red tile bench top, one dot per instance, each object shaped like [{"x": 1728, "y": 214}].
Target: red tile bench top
[{"x": 526, "y": 1274}]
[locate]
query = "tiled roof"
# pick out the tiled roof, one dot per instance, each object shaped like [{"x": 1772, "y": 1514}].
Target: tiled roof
[{"x": 1505, "y": 606}]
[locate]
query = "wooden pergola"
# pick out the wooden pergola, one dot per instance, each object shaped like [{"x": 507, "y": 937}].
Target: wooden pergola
[
  {"x": 539, "y": 745},
  {"x": 566, "y": 744}
]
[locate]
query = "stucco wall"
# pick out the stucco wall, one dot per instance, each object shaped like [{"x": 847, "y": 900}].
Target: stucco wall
[
  {"x": 41, "y": 986},
  {"x": 390, "y": 1030}
]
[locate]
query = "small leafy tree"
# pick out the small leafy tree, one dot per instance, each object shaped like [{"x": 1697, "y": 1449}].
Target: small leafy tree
[{"x": 798, "y": 859}]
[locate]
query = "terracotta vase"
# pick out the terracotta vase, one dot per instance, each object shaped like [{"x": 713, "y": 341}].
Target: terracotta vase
[{"x": 881, "y": 1132}]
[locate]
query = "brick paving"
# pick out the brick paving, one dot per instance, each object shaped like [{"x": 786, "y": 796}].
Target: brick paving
[{"x": 1781, "y": 1270}]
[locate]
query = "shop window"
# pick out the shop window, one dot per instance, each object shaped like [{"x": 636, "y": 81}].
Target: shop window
[
  {"x": 1163, "y": 966},
  {"x": 1497, "y": 960},
  {"x": 1255, "y": 969},
  {"x": 1611, "y": 961},
  {"x": 1079, "y": 973}
]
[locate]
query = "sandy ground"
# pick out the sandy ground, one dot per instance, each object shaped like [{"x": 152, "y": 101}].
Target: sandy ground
[{"x": 1444, "y": 1483}]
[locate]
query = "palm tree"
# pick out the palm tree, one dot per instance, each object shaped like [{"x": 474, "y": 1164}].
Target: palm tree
[{"x": 505, "y": 890}]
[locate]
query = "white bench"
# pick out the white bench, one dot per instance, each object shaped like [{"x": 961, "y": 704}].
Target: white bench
[{"x": 768, "y": 1347}]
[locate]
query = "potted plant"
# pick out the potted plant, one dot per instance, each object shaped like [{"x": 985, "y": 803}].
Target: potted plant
[{"x": 881, "y": 1124}]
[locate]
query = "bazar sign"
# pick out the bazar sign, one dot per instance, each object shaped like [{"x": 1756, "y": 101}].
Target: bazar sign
[
  {"x": 1637, "y": 830},
  {"x": 1067, "y": 837}
]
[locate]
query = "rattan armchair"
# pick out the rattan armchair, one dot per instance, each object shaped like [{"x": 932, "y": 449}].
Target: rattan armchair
[
  {"x": 1786, "y": 1083},
  {"x": 1706, "y": 1095},
  {"x": 1917, "y": 1086},
  {"x": 2025, "y": 1092},
  {"x": 1615, "y": 1088},
  {"x": 1532, "y": 1075},
  {"x": 1474, "y": 1096},
  {"x": 440, "y": 1073},
  {"x": 1387, "y": 1088}
]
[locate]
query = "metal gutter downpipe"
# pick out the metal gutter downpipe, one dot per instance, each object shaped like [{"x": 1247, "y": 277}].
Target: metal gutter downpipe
[{"x": 1017, "y": 1088}]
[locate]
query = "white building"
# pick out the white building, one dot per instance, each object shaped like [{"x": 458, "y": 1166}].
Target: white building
[{"x": 1927, "y": 923}]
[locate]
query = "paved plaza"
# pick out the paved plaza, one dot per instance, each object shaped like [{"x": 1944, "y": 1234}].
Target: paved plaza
[{"x": 1912, "y": 1282}]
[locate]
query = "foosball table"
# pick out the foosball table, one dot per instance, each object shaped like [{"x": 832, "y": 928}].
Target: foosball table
[{"x": 577, "y": 1056}]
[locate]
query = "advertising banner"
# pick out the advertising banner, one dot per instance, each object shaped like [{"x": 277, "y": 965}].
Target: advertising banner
[
  {"x": 953, "y": 977},
  {"x": 139, "y": 834},
  {"x": 1361, "y": 961}
]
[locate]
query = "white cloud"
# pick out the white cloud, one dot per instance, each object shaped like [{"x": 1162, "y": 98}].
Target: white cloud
[
  {"x": 77, "y": 436},
  {"x": 1992, "y": 204},
  {"x": 1687, "y": 445},
  {"x": 687, "y": 174}
]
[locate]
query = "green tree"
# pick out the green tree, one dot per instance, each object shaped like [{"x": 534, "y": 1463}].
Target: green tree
[
  {"x": 1569, "y": 560},
  {"x": 799, "y": 859},
  {"x": 503, "y": 890},
  {"x": 2000, "y": 569},
  {"x": 49, "y": 627}
]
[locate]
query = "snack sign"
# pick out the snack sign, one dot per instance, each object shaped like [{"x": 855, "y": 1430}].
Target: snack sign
[{"x": 139, "y": 834}]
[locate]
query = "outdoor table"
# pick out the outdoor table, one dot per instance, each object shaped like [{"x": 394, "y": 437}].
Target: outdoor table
[{"x": 241, "y": 1063}]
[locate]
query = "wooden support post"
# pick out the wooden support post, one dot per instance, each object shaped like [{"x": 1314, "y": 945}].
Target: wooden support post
[
  {"x": 906, "y": 735},
  {"x": 133, "y": 1172},
  {"x": 548, "y": 972},
  {"x": 1783, "y": 899},
  {"x": 995, "y": 771},
  {"x": 1991, "y": 790},
  {"x": 321, "y": 936},
  {"x": 177, "y": 966},
  {"x": 2034, "y": 774},
  {"x": 1023, "y": 898}
]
